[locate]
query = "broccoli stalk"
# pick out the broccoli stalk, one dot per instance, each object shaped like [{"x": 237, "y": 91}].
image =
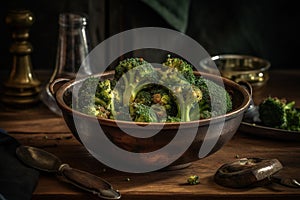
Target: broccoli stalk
[
  {"x": 189, "y": 98},
  {"x": 186, "y": 95},
  {"x": 178, "y": 76}
]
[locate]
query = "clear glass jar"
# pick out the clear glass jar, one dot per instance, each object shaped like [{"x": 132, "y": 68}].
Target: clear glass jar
[{"x": 72, "y": 48}]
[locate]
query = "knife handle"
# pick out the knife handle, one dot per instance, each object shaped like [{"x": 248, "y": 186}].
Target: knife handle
[{"x": 88, "y": 182}]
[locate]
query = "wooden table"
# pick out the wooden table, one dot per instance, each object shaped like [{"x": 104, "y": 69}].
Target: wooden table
[{"x": 37, "y": 126}]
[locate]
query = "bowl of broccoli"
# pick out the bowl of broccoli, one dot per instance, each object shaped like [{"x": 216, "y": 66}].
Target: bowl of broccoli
[{"x": 137, "y": 97}]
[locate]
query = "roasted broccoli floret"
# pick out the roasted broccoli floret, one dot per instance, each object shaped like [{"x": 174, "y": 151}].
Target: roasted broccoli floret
[
  {"x": 189, "y": 109},
  {"x": 95, "y": 97},
  {"x": 279, "y": 113},
  {"x": 185, "y": 93},
  {"x": 103, "y": 93},
  {"x": 158, "y": 98},
  {"x": 199, "y": 103},
  {"x": 173, "y": 119},
  {"x": 108, "y": 98},
  {"x": 134, "y": 74},
  {"x": 144, "y": 97},
  {"x": 86, "y": 97},
  {"x": 212, "y": 93},
  {"x": 177, "y": 75},
  {"x": 272, "y": 112},
  {"x": 292, "y": 120},
  {"x": 180, "y": 66},
  {"x": 144, "y": 113},
  {"x": 163, "y": 96}
]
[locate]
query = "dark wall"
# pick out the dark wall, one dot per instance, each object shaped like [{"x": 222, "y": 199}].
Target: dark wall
[{"x": 268, "y": 29}]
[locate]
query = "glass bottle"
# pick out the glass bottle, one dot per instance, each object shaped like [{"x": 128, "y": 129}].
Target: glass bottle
[{"x": 72, "y": 48}]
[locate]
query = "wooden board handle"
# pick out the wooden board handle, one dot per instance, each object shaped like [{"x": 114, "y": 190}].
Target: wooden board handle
[{"x": 89, "y": 182}]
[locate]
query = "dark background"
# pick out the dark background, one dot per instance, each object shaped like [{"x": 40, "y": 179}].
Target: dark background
[{"x": 268, "y": 29}]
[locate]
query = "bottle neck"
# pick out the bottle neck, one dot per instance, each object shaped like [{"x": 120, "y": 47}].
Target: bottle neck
[
  {"x": 73, "y": 45},
  {"x": 72, "y": 20}
]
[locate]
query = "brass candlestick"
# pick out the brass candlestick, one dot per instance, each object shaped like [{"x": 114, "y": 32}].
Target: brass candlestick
[{"x": 21, "y": 87}]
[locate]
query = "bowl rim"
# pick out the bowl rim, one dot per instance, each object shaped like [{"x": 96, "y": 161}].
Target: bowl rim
[{"x": 167, "y": 125}]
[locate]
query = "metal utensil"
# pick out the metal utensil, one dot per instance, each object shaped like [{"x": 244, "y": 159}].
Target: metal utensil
[
  {"x": 288, "y": 182},
  {"x": 45, "y": 161},
  {"x": 251, "y": 115}
]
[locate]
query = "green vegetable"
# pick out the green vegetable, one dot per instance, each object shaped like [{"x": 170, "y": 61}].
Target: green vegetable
[
  {"x": 158, "y": 99},
  {"x": 141, "y": 93},
  {"x": 292, "y": 120},
  {"x": 86, "y": 97},
  {"x": 103, "y": 93},
  {"x": 173, "y": 119},
  {"x": 279, "y": 113},
  {"x": 191, "y": 96},
  {"x": 178, "y": 76},
  {"x": 144, "y": 113},
  {"x": 95, "y": 102},
  {"x": 193, "y": 180},
  {"x": 134, "y": 74},
  {"x": 212, "y": 95},
  {"x": 182, "y": 67},
  {"x": 143, "y": 97}
]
